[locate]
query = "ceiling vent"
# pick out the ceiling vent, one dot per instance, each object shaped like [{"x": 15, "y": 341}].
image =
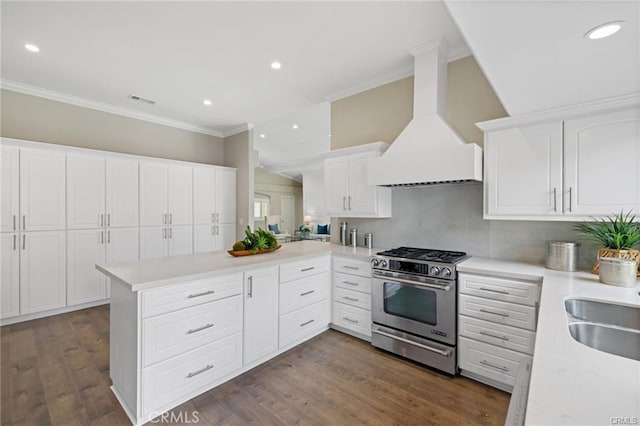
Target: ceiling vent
[{"x": 141, "y": 99}]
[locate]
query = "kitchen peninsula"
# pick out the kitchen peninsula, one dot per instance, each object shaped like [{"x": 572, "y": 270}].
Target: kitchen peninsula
[{"x": 182, "y": 325}]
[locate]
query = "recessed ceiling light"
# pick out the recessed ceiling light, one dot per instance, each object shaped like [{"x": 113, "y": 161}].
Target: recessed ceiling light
[
  {"x": 276, "y": 65},
  {"x": 604, "y": 30},
  {"x": 295, "y": 126},
  {"x": 207, "y": 102},
  {"x": 32, "y": 48},
  {"x": 262, "y": 135}
]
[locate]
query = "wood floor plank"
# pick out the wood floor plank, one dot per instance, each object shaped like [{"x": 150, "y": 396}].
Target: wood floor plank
[{"x": 55, "y": 371}]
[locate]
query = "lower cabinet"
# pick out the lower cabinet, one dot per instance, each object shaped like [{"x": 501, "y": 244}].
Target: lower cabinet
[
  {"x": 213, "y": 237},
  {"x": 488, "y": 361},
  {"x": 160, "y": 241},
  {"x": 85, "y": 283},
  {"x": 9, "y": 275},
  {"x": 352, "y": 296},
  {"x": 260, "y": 313},
  {"x": 42, "y": 271}
]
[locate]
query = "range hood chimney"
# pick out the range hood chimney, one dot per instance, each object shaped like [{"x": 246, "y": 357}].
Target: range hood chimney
[{"x": 428, "y": 151}]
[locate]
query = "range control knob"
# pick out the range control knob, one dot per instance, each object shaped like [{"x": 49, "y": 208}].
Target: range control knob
[
  {"x": 435, "y": 270},
  {"x": 374, "y": 262},
  {"x": 383, "y": 263},
  {"x": 446, "y": 272}
]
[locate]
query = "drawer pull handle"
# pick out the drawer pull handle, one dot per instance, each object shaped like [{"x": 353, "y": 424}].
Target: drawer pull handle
[
  {"x": 494, "y": 291},
  {"x": 202, "y": 370},
  {"x": 350, "y": 320},
  {"x": 353, "y": 299},
  {"x": 191, "y": 296},
  {"x": 195, "y": 330},
  {"x": 355, "y": 268},
  {"x": 307, "y": 292},
  {"x": 497, "y": 367},
  {"x": 505, "y": 338},
  {"x": 308, "y": 269},
  {"x": 349, "y": 282},
  {"x": 306, "y": 323},
  {"x": 495, "y": 313}
]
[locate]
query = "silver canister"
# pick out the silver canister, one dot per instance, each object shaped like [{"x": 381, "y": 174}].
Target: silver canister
[
  {"x": 616, "y": 271},
  {"x": 562, "y": 255},
  {"x": 368, "y": 240},
  {"x": 353, "y": 237},
  {"x": 343, "y": 233}
]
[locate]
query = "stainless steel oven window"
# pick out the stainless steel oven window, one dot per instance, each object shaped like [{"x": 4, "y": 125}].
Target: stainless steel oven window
[{"x": 414, "y": 303}]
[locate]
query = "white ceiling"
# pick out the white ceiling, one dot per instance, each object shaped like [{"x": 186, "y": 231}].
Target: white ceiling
[
  {"x": 535, "y": 56},
  {"x": 179, "y": 53}
]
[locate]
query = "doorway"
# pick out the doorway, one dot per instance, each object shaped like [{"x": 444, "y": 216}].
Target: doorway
[{"x": 287, "y": 209}]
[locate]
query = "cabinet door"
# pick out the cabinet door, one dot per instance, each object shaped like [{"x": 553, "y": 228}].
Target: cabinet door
[
  {"x": 362, "y": 196},
  {"x": 180, "y": 195},
  {"x": 225, "y": 206},
  {"x": 42, "y": 271},
  {"x": 122, "y": 244},
  {"x": 602, "y": 164},
  {"x": 226, "y": 233},
  {"x": 10, "y": 275},
  {"x": 153, "y": 242},
  {"x": 260, "y": 313},
  {"x": 153, "y": 194},
  {"x": 524, "y": 171},
  {"x": 122, "y": 192},
  {"x": 10, "y": 188},
  {"x": 204, "y": 194},
  {"x": 336, "y": 183},
  {"x": 204, "y": 238},
  {"x": 42, "y": 190},
  {"x": 85, "y": 191},
  {"x": 84, "y": 282},
  {"x": 180, "y": 240}
]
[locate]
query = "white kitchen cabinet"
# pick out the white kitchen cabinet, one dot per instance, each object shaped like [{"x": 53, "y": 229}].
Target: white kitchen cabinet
[
  {"x": 213, "y": 237},
  {"x": 352, "y": 296},
  {"x": 204, "y": 195},
  {"x": 42, "y": 271},
  {"x": 153, "y": 193},
  {"x": 85, "y": 191},
  {"x": 347, "y": 192},
  {"x": 9, "y": 275},
  {"x": 260, "y": 313},
  {"x": 602, "y": 164},
  {"x": 159, "y": 241},
  {"x": 180, "y": 196},
  {"x": 85, "y": 283},
  {"x": 121, "y": 192},
  {"x": 523, "y": 170},
  {"x": 122, "y": 244},
  {"x": 10, "y": 187},
  {"x": 225, "y": 195},
  {"x": 42, "y": 190}
]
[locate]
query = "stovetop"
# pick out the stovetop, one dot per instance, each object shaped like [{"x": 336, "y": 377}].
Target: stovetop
[{"x": 426, "y": 255}]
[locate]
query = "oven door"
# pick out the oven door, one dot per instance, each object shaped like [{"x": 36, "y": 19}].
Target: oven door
[{"x": 425, "y": 309}]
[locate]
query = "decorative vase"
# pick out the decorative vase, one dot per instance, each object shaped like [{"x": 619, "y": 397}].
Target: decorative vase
[{"x": 631, "y": 254}]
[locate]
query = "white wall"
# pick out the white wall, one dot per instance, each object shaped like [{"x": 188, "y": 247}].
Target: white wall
[
  {"x": 313, "y": 195},
  {"x": 238, "y": 153}
]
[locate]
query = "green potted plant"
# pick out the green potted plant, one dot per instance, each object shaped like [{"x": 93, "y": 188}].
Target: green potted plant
[
  {"x": 305, "y": 230},
  {"x": 617, "y": 234}
]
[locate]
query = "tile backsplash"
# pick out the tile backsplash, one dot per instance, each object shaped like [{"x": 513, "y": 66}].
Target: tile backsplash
[{"x": 449, "y": 217}]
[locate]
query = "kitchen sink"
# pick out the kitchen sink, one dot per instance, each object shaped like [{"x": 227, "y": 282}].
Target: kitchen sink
[
  {"x": 604, "y": 313},
  {"x": 614, "y": 340}
]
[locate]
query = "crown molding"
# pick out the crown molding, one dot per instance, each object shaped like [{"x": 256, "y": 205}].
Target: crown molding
[
  {"x": 239, "y": 129},
  {"x": 40, "y": 92},
  {"x": 612, "y": 104}
]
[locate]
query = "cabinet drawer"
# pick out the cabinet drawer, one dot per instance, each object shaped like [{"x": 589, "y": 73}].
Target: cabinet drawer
[
  {"x": 300, "y": 293},
  {"x": 354, "y": 319},
  {"x": 505, "y": 290},
  {"x": 304, "y": 268},
  {"x": 353, "y": 298},
  {"x": 298, "y": 324},
  {"x": 352, "y": 266},
  {"x": 352, "y": 282},
  {"x": 189, "y": 373},
  {"x": 500, "y": 312},
  {"x": 497, "y": 334},
  {"x": 193, "y": 293},
  {"x": 489, "y": 361},
  {"x": 167, "y": 335}
]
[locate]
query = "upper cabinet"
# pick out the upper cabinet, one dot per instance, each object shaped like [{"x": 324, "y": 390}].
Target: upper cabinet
[
  {"x": 85, "y": 191},
  {"x": 122, "y": 192},
  {"x": 214, "y": 195},
  {"x": 347, "y": 193},
  {"x": 572, "y": 169},
  {"x": 10, "y": 187},
  {"x": 166, "y": 194}
]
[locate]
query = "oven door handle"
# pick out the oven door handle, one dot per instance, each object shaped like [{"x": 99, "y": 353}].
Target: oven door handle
[
  {"x": 421, "y": 284},
  {"x": 446, "y": 352}
]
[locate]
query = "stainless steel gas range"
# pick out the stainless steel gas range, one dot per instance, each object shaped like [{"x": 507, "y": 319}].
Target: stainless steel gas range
[{"x": 413, "y": 304}]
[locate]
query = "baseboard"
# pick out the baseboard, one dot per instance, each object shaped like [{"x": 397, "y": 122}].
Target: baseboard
[
  {"x": 486, "y": 381},
  {"x": 350, "y": 332},
  {"x": 58, "y": 311}
]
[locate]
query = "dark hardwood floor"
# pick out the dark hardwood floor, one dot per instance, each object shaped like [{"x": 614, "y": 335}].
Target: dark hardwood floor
[{"x": 56, "y": 371}]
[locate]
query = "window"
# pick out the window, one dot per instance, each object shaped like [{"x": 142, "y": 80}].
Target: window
[{"x": 260, "y": 207}]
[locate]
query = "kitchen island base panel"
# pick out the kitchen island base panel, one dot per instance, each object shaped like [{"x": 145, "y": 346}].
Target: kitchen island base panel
[
  {"x": 350, "y": 332},
  {"x": 486, "y": 380}
]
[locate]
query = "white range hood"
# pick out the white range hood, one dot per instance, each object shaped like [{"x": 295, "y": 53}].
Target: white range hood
[{"x": 428, "y": 151}]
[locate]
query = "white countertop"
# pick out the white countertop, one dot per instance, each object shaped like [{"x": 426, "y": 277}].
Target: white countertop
[
  {"x": 571, "y": 384},
  {"x": 361, "y": 253},
  {"x": 150, "y": 273}
]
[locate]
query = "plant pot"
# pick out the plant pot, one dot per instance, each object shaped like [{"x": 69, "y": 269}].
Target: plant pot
[{"x": 631, "y": 254}]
